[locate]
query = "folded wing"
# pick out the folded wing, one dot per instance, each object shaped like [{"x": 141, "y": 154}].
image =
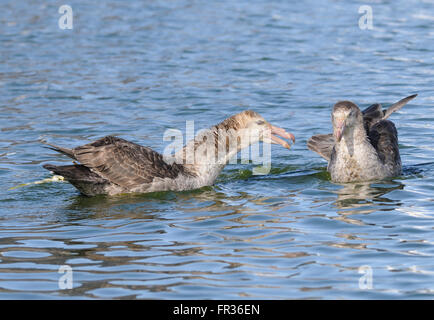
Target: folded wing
[
  {"x": 384, "y": 138},
  {"x": 122, "y": 162},
  {"x": 382, "y": 133}
]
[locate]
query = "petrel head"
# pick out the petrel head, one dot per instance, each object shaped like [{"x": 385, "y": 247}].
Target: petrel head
[
  {"x": 345, "y": 115},
  {"x": 253, "y": 124}
]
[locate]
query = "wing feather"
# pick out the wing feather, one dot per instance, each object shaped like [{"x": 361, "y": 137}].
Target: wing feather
[
  {"x": 125, "y": 163},
  {"x": 322, "y": 144},
  {"x": 375, "y": 113},
  {"x": 384, "y": 138},
  {"x": 398, "y": 105},
  {"x": 372, "y": 115}
]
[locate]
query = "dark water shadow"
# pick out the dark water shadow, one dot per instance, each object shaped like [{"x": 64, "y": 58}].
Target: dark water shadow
[
  {"x": 416, "y": 170},
  {"x": 82, "y": 203},
  {"x": 155, "y": 206}
]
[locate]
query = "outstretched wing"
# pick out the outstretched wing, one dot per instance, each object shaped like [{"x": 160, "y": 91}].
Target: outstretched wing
[
  {"x": 382, "y": 133},
  {"x": 375, "y": 112},
  {"x": 124, "y": 163},
  {"x": 322, "y": 144},
  {"x": 398, "y": 105}
]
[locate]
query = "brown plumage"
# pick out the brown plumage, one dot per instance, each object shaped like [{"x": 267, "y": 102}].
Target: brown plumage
[
  {"x": 112, "y": 165},
  {"x": 114, "y": 161},
  {"x": 364, "y": 144}
]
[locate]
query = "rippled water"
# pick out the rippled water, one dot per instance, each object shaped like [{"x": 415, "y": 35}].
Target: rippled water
[{"x": 135, "y": 69}]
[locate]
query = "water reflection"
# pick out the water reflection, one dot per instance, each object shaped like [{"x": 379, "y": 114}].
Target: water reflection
[
  {"x": 365, "y": 198},
  {"x": 359, "y": 196}
]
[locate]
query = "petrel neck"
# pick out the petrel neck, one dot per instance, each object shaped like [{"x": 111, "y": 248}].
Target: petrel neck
[
  {"x": 354, "y": 138},
  {"x": 209, "y": 152}
]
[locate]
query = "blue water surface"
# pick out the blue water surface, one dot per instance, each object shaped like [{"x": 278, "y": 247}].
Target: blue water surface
[{"x": 137, "y": 68}]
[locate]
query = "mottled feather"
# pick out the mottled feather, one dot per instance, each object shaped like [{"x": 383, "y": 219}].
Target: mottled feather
[{"x": 125, "y": 163}]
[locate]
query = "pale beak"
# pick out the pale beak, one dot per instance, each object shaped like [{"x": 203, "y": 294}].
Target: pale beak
[
  {"x": 339, "y": 130},
  {"x": 281, "y": 132}
]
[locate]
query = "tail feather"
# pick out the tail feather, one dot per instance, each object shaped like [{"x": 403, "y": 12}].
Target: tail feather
[
  {"x": 81, "y": 177},
  {"x": 75, "y": 172}
]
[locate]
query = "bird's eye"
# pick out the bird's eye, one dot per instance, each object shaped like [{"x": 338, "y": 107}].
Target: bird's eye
[{"x": 260, "y": 122}]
